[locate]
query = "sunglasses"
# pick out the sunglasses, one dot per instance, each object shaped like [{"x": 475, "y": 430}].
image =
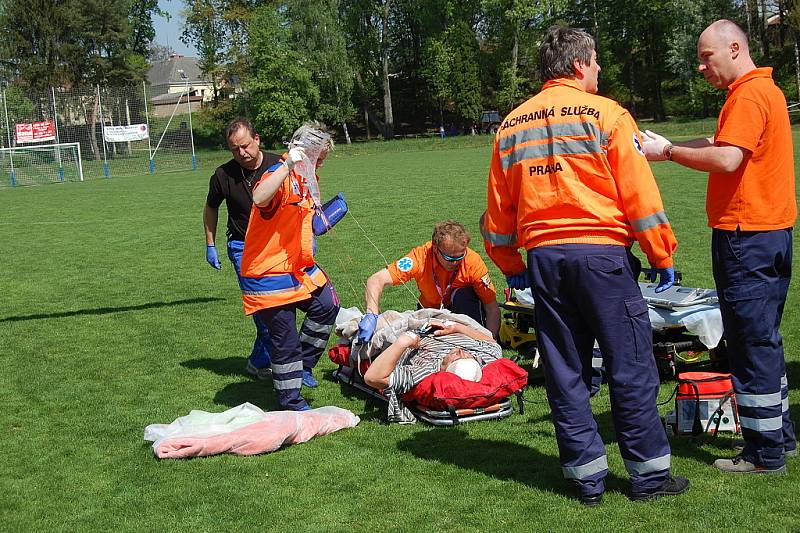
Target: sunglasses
[{"x": 450, "y": 258}]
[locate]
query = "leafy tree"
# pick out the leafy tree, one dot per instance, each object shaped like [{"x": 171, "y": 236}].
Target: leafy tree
[
  {"x": 465, "y": 81},
  {"x": 140, "y": 20},
  {"x": 437, "y": 72},
  {"x": 280, "y": 90},
  {"x": 318, "y": 36},
  {"x": 205, "y": 29},
  {"x": 33, "y": 45}
]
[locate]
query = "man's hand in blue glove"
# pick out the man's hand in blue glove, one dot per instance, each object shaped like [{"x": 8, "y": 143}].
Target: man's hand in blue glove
[
  {"x": 666, "y": 278},
  {"x": 366, "y": 328},
  {"x": 211, "y": 256},
  {"x": 518, "y": 281}
]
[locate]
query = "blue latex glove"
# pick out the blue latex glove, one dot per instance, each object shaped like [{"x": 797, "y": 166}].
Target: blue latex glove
[
  {"x": 666, "y": 278},
  {"x": 366, "y": 328},
  {"x": 518, "y": 281},
  {"x": 211, "y": 256}
]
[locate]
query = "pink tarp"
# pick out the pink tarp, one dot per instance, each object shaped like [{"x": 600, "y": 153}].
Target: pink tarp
[{"x": 243, "y": 430}]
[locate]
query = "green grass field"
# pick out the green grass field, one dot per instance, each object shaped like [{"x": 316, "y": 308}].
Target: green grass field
[{"x": 112, "y": 320}]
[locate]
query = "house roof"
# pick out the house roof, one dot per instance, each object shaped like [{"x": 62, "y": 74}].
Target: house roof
[{"x": 175, "y": 70}]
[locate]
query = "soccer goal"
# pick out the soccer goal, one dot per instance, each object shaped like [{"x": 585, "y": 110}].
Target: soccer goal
[{"x": 34, "y": 165}]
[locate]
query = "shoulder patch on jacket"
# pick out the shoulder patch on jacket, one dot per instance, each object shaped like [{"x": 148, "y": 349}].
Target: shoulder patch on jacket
[{"x": 405, "y": 264}]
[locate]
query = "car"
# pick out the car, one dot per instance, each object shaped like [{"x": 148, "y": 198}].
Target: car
[{"x": 490, "y": 121}]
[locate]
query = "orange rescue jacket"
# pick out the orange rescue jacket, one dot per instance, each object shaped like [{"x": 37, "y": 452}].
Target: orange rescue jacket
[
  {"x": 567, "y": 168},
  {"x": 278, "y": 265}
]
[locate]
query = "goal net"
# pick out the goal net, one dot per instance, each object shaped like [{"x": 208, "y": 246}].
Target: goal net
[{"x": 34, "y": 165}]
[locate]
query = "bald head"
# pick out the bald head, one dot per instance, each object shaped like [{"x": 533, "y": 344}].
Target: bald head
[{"x": 723, "y": 53}]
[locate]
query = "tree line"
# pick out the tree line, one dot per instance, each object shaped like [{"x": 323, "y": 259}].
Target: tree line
[{"x": 391, "y": 67}]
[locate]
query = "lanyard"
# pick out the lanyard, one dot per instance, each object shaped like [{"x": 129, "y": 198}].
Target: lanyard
[{"x": 443, "y": 294}]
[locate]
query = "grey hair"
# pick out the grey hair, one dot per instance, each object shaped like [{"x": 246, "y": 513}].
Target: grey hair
[
  {"x": 312, "y": 135},
  {"x": 560, "y": 49}
]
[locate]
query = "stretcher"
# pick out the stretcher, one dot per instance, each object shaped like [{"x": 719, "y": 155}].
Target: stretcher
[
  {"x": 353, "y": 361},
  {"x": 687, "y": 328},
  {"x": 349, "y": 376}
]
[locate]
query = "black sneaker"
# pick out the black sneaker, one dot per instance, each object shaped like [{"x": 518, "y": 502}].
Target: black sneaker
[{"x": 672, "y": 486}]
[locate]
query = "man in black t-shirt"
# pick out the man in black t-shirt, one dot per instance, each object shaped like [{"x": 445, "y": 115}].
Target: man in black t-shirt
[{"x": 233, "y": 183}]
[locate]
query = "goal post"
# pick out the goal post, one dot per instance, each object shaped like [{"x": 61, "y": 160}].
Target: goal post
[{"x": 49, "y": 163}]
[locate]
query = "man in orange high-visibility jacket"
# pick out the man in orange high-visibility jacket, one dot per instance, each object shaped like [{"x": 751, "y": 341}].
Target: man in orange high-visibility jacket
[
  {"x": 279, "y": 274},
  {"x": 751, "y": 207},
  {"x": 568, "y": 183},
  {"x": 449, "y": 275}
]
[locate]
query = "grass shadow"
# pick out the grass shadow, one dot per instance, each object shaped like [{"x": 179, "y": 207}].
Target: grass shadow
[
  {"x": 226, "y": 366},
  {"x": 259, "y": 393},
  {"x": 109, "y": 310},
  {"x": 498, "y": 459}
]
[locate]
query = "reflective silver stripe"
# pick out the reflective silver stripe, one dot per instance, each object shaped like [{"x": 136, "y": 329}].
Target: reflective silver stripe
[
  {"x": 784, "y": 381},
  {"x": 645, "y": 467},
  {"x": 316, "y": 327},
  {"x": 496, "y": 239},
  {"x": 285, "y": 368},
  {"x": 569, "y": 129},
  {"x": 597, "y": 362},
  {"x": 313, "y": 341},
  {"x": 785, "y": 405},
  {"x": 499, "y": 239},
  {"x": 538, "y": 151},
  {"x": 651, "y": 221},
  {"x": 287, "y": 384},
  {"x": 762, "y": 424},
  {"x": 276, "y": 291},
  {"x": 584, "y": 471},
  {"x": 759, "y": 400}
]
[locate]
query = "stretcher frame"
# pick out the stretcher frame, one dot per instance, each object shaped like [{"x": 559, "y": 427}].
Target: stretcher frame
[
  {"x": 349, "y": 376},
  {"x": 674, "y": 348}
]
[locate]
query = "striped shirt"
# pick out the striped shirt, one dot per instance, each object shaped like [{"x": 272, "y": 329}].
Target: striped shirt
[{"x": 418, "y": 363}]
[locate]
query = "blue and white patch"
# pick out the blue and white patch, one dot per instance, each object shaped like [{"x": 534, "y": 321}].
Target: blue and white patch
[
  {"x": 405, "y": 264},
  {"x": 637, "y": 144}
]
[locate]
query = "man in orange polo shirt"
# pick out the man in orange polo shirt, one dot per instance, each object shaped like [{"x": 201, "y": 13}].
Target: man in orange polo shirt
[
  {"x": 448, "y": 274},
  {"x": 751, "y": 209}
]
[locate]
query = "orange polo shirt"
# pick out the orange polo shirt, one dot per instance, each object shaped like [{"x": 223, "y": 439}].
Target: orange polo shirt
[
  {"x": 759, "y": 195},
  {"x": 436, "y": 284}
]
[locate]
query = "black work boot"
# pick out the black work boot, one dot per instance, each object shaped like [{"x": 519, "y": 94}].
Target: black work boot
[{"x": 672, "y": 486}]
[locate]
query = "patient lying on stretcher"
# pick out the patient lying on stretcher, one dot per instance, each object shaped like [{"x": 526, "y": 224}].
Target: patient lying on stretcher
[{"x": 442, "y": 346}]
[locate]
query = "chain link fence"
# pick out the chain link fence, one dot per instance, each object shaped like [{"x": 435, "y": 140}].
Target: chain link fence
[{"x": 95, "y": 132}]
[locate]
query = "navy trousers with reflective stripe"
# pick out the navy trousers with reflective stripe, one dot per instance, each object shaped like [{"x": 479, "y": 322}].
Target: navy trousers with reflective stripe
[
  {"x": 752, "y": 270},
  {"x": 292, "y": 350},
  {"x": 583, "y": 293},
  {"x": 262, "y": 347},
  {"x": 465, "y": 301}
]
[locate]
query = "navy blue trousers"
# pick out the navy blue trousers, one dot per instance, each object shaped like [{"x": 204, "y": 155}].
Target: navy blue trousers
[
  {"x": 465, "y": 301},
  {"x": 585, "y": 293},
  {"x": 262, "y": 347},
  {"x": 752, "y": 270},
  {"x": 295, "y": 351}
]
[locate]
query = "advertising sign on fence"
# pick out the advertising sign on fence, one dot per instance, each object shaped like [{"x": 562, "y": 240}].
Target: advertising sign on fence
[
  {"x": 35, "y": 132},
  {"x": 121, "y": 134}
]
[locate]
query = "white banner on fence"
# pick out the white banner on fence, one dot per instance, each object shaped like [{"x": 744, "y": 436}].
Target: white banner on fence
[{"x": 119, "y": 134}]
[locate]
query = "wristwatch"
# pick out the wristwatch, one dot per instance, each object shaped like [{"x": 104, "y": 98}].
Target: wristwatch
[{"x": 668, "y": 152}]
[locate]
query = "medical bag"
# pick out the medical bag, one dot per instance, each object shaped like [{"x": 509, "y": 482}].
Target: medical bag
[{"x": 705, "y": 402}]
